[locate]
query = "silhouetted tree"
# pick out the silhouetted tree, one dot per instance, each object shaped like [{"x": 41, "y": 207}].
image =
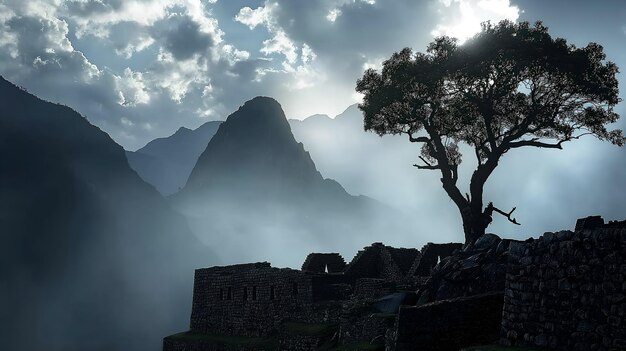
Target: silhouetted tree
[{"x": 508, "y": 87}]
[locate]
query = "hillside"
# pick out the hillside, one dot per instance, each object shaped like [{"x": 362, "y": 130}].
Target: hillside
[
  {"x": 92, "y": 257},
  {"x": 256, "y": 185},
  {"x": 167, "y": 162}
]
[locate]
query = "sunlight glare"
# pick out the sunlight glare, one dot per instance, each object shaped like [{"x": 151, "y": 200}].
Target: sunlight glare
[{"x": 461, "y": 19}]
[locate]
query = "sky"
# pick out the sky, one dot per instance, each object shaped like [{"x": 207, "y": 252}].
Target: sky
[{"x": 140, "y": 69}]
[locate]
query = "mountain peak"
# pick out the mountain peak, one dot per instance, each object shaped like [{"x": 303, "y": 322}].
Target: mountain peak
[
  {"x": 260, "y": 111},
  {"x": 254, "y": 148}
]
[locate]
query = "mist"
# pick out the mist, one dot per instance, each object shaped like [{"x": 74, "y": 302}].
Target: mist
[
  {"x": 549, "y": 188},
  {"x": 92, "y": 257}
]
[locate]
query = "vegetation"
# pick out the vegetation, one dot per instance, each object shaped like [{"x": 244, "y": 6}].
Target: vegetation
[
  {"x": 268, "y": 343},
  {"x": 498, "y": 348},
  {"x": 311, "y": 329},
  {"x": 362, "y": 346},
  {"x": 511, "y": 86}
]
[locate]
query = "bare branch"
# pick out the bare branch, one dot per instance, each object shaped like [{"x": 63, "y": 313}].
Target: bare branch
[
  {"x": 426, "y": 167},
  {"x": 424, "y": 160},
  {"x": 536, "y": 143},
  {"x": 491, "y": 208},
  {"x": 421, "y": 139}
]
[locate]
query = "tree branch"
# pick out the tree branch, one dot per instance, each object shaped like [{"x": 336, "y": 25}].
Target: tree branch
[
  {"x": 421, "y": 139},
  {"x": 428, "y": 165},
  {"x": 491, "y": 208},
  {"x": 424, "y": 160},
  {"x": 536, "y": 143}
]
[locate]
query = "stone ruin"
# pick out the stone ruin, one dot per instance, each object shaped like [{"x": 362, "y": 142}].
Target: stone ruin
[{"x": 562, "y": 291}]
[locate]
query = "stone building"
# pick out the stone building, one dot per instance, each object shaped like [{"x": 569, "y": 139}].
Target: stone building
[
  {"x": 248, "y": 299},
  {"x": 562, "y": 291},
  {"x": 257, "y": 300}
]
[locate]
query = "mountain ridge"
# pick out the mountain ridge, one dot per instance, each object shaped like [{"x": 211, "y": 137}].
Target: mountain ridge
[
  {"x": 167, "y": 162},
  {"x": 92, "y": 256},
  {"x": 255, "y": 184}
]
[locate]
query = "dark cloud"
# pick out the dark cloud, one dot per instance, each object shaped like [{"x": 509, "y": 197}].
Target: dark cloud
[
  {"x": 93, "y": 7},
  {"x": 182, "y": 36}
]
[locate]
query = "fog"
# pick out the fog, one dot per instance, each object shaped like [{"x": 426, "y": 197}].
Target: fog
[
  {"x": 550, "y": 188},
  {"x": 256, "y": 195},
  {"x": 91, "y": 257}
]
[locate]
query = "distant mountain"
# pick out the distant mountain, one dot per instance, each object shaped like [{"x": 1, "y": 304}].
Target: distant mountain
[
  {"x": 91, "y": 257},
  {"x": 167, "y": 162},
  {"x": 258, "y": 188},
  {"x": 361, "y": 161}
]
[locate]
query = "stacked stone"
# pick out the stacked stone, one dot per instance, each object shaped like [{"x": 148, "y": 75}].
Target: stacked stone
[
  {"x": 173, "y": 344},
  {"x": 324, "y": 263},
  {"x": 567, "y": 291},
  {"x": 475, "y": 270},
  {"x": 360, "y": 324},
  {"x": 299, "y": 342},
  {"x": 448, "y": 325},
  {"x": 429, "y": 256},
  {"x": 359, "y": 321},
  {"x": 248, "y": 300}
]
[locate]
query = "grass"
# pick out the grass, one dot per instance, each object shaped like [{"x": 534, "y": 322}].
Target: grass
[
  {"x": 269, "y": 343},
  {"x": 361, "y": 346},
  {"x": 310, "y": 329},
  {"x": 499, "y": 348}
]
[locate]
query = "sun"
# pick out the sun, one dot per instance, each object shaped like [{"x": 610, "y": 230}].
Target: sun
[{"x": 461, "y": 19}]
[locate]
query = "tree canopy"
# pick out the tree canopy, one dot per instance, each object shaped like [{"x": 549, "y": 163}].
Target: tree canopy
[{"x": 510, "y": 86}]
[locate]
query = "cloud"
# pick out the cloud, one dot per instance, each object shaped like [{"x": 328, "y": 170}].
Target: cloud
[
  {"x": 132, "y": 88},
  {"x": 255, "y": 17},
  {"x": 281, "y": 44},
  {"x": 137, "y": 69},
  {"x": 182, "y": 36},
  {"x": 128, "y": 38},
  {"x": 150, "y": 61},
  {"x": 462, "y": 18}
]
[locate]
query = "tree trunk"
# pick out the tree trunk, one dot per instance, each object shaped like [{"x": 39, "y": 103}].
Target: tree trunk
[{"x": 475, "y": 223}]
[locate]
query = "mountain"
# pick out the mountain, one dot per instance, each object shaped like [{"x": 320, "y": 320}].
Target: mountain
[
  {"x": 167, "y": 162},
  {"x": 536, "y": 181},
  {"x": 91, "y": 257},
  {"x": 258, "y": 188},
  {"x": 361, "y": 161}
]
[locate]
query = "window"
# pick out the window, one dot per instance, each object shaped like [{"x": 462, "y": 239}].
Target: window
[
  {"x": 272, "y": 292},
  {"x": 254, "y": 293},
  {"x": 221, "y": 294},
  {"x": 229, "y": 293},
  {"x": 245, "y": 293}
]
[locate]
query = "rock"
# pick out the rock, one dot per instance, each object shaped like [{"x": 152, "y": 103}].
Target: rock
[{"x": 486, "y": 242}]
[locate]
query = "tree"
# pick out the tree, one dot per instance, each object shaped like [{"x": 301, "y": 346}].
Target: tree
[{"x": 510, "y": 86}]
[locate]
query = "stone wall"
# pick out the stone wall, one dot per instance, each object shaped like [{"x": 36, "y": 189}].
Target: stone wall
[
  {"x": 567, "y": 291},
  {"x": 173, "y": 344},
  {"x": 324, "y": 263},
  {"x": 249, "y": 299},
  {"x": 380, "y": 261},
  {"x": 448, "y": 325},
  {"x": 429, "y": 256},
  {"x": 359, "y": 323}
]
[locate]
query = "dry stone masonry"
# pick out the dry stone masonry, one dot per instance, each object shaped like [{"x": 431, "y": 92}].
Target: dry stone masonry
[
  {"x": 562, "y": 291},
  {"x": 567, "y": 290}
]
